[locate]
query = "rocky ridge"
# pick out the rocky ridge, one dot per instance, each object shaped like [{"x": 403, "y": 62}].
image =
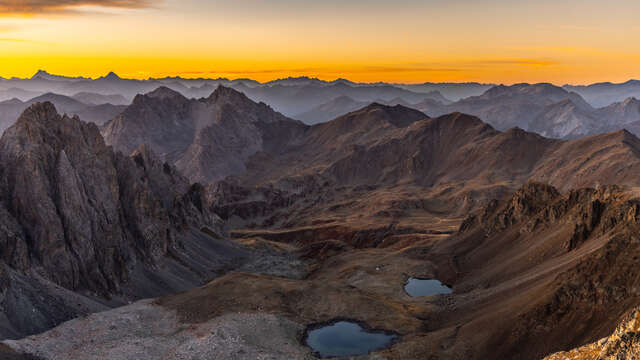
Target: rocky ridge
[
  {"x": 207, "y": 139},
  {"x": 81, "y": 223}
]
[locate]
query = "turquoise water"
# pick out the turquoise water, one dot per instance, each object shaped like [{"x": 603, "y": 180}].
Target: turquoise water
[
  {"x": 345, "y": 338},
  {"x": 419, "y": 287}
]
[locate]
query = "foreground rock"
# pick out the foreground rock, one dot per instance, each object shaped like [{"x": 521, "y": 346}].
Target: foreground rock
[{"x": 624, "y": 343}]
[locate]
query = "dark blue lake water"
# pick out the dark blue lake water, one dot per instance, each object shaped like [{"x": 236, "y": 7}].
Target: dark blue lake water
[
  {"x": 419, "y": 287},
  {"x": 347, "y": 338}
]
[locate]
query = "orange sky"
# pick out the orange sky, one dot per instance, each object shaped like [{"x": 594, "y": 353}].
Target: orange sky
[{"x": 505, "y": 41}]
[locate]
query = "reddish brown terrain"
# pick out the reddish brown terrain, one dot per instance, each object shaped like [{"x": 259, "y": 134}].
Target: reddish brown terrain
[
  {"x": 537, "y": 237},
  {"x": 547, "y": 268}
]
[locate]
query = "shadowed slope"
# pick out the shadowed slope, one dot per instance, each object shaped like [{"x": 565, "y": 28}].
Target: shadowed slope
[{"x": 79, "y": 218}]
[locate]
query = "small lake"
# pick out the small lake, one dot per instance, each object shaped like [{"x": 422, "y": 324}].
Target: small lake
[
  {"x": 419, "y": 287},
  {"x": 346, "y": 338}
]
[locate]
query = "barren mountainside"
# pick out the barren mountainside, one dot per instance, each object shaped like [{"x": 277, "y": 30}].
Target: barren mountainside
[
  {"x": 536, "y": 236},
  {"x": 81, "y": 223},
  {"x": 207, "y": 139}
]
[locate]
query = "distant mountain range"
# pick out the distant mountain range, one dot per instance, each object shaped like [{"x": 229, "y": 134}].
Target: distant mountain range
[
  {"x": 561, "y": 112},
  {"x": 603, "y": 94},
  {"x": 453, "y": 91},
  {"x": 93, "y": 108},
  {"x": 546, "y": 109},
  {"x": 290, "y": 96},
  {"x": 211, "y": 138},
  {"x": 344, "y": 104}
]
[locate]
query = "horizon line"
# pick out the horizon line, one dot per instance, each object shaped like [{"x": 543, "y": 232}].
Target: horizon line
[{"x": 310, "y": 77}]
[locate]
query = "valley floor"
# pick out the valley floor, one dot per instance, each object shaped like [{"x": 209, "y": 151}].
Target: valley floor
[{"x": 502, "y": 283}]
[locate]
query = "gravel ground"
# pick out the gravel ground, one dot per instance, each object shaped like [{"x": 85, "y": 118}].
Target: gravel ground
[{"x": 145, "y": 331}]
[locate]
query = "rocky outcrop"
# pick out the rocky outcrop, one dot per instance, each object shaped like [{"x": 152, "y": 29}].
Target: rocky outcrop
[
  {"x": 526, "y": 202},
  {"x": 624, "y": 343},
  {"x": 81, "y": 218}
]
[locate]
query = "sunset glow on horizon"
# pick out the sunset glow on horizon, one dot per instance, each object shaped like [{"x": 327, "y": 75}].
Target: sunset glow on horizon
[{"x": 411, "y": 41}]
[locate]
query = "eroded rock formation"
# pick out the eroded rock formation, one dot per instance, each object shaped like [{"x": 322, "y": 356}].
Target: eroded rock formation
[{"x": 79, "y": 217}]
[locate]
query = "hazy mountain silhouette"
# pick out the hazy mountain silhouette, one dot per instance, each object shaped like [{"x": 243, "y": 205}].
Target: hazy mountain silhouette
[
  {"x": 603, "y": 94},
  {"x": 98, "y": 114}
]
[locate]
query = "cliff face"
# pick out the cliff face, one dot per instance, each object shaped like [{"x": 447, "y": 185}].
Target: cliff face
[{"x": 82, "y": 218}]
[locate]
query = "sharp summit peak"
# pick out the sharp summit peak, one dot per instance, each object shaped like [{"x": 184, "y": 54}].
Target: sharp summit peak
[
  {"x": 112, "y": 76},
  {"x": 164, "y": 92},
  {"x": 226, "y": 93}
]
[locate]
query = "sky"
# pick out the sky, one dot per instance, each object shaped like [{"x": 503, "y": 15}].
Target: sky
[{"x": 412, "y": 41}]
